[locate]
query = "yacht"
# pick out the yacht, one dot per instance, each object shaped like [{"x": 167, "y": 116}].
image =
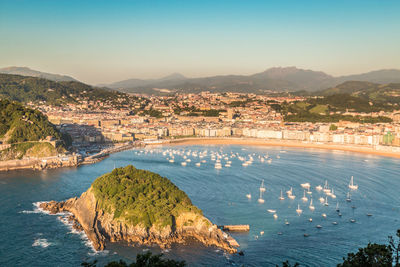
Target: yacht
[
  {"x": 183, "y": 163},
  {"x": 318, "y": 188},
  {"x": 291, "y": 197},
  {"x": 198, "y": 164}
]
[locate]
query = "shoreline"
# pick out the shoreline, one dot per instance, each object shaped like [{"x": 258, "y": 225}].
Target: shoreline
[{"x": 282, "y": 143}]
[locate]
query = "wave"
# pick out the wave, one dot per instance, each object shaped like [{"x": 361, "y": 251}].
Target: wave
[{"x": 41, "y": 242}]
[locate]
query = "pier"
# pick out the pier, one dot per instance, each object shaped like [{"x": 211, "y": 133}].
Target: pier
[{"x": 235, "y": 228}]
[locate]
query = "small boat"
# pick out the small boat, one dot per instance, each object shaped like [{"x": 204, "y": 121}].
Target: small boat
[
  {"x": 183, "y": 163},
  {"x": 262, "y": 232},
  {"x": 306, "y": 235},
  {"x": 311, "y": 206},
  {"x": 228, "y": 165},
  {"x": 332, "y": 195},
  {"x": 305, "y": 185},
  {"x": 245, "y": 164},
  {"x": 218, "y": 165},
  {"x": 340, "y": 214},
  {"x": 279, "y": 233},
  {"x": 348, "y": 198},
  {"x": 171, "y": 161},
  {"x": 334, "y": 223},
  {"x": 271, "y": 211},
  {"x": 318, "y": 188},
  {"x": 352, "y": 220},
  {"x": 198, "y": 164},
  {"x": 369, "y": 214},
  {"x": 309, "y": 192},
  {"x": 326, "y": 202},
  {"x": 324, "y": 215},
  {"x": 275, "y": 216},
  {"x": 337, "y": 207},
  {"x": 352, "y": 186},
  {"x": 281, "y": 196},
  {"x": 292, "y": 197},
  {"x": 298, "y": 210},
  {"x": 321, "y": 199},
  {"x": 310, "y": 220},
  {"x": 287, "y": 223},
  {"x": 318, "y": 226},
  {"x": 262, "y": 187},
  {"x": 304, "y": 198},
  {"x": 248, "y": 196}
]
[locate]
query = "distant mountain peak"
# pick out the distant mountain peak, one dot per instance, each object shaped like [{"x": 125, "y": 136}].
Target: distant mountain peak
[
  {"x": 174, "y": 76},
  {"x": 25, "y": 71}
]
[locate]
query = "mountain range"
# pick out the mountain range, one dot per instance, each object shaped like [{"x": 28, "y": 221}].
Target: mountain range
[
  {"x": 273, "y": 79},
  {"x": 283, "y": 79}
]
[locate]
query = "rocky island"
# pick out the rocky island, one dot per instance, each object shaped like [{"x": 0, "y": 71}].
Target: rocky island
[{"x": 139, "y": 207}]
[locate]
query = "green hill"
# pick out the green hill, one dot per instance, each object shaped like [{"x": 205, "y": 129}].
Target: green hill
[
  {"x": 19, "y": 124},
  {"x": 26, "y": 89},
  {"x": 141, "y": 197},
  {"x": 372, "y": 92}
]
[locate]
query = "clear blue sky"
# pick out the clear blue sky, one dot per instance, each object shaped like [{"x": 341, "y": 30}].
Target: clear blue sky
[{"x": 104, "y": 41}]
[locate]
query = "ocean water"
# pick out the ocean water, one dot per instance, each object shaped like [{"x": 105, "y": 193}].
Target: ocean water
[{"x": 29, "y": 237}]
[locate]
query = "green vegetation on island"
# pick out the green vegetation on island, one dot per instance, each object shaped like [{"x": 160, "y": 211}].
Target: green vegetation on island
[{"x": 141, "y": 197}]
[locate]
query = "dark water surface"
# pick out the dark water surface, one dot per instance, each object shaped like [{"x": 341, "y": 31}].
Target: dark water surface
[{"x": 29, "y": 237}]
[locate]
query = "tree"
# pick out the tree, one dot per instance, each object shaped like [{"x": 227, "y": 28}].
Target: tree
[
  {"x": 395, "y": 246},
  {"x": 142, "y": 260},
  {"x": 333, "y": 127},
  {"x": 373, "y": 255}
]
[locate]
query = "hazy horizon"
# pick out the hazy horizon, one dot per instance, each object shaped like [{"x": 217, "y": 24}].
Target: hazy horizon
[{"x": 104, "y": 42}]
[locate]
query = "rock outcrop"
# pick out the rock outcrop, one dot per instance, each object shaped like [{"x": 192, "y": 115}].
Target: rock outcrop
[{"x": 100, "y": 226}]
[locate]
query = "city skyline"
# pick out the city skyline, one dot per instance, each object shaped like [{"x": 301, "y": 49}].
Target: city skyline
[{"x": 105, "y": 42}]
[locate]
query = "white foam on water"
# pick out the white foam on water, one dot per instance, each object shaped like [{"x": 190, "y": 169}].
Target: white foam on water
[{"x": 41, "y": 242}]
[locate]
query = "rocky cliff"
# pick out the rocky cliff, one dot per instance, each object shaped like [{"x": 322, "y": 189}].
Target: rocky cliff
[{"x": 102, "y": 226}]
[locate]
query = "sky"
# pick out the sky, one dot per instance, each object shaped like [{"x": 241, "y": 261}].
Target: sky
[{"x": 106, "y": 41}]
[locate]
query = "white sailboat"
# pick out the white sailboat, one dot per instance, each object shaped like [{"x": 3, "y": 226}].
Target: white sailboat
[
  {"x": 281, "y": 196},
  {"x": 337, "y": 207},
  {"x": 326, "y": 202},
  {"x": 298, "y": 210},
  {"x": 261, "y": 200},
  {"x": 304, "y": 198},
  {"x": 262, "y": 187},
  {"x": 311, "y": 207},
  {"x": 326, "y": 188},
  {"x": 318, "y": 188},
  {"x": 305, "y": 185},
  {"x": 352, "y": 186},
  {"x": 348, "y": 198}
]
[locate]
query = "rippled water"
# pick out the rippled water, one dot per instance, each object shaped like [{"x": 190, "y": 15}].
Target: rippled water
[{"x": 29, "y": 237}]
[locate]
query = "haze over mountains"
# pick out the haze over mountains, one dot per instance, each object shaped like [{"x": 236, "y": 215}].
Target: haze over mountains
[
  {"x": 25, "y": 71},
  {"x": 273, "y": 79}
]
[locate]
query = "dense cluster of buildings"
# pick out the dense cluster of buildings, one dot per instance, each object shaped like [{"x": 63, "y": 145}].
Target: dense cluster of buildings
[{"x": 185, "y": 115}]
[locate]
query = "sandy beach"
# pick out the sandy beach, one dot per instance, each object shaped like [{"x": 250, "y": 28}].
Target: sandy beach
[{"x": 284, "y": 143}]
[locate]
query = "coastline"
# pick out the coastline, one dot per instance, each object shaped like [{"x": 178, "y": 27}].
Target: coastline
[{"x": 284, "y": 143}]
